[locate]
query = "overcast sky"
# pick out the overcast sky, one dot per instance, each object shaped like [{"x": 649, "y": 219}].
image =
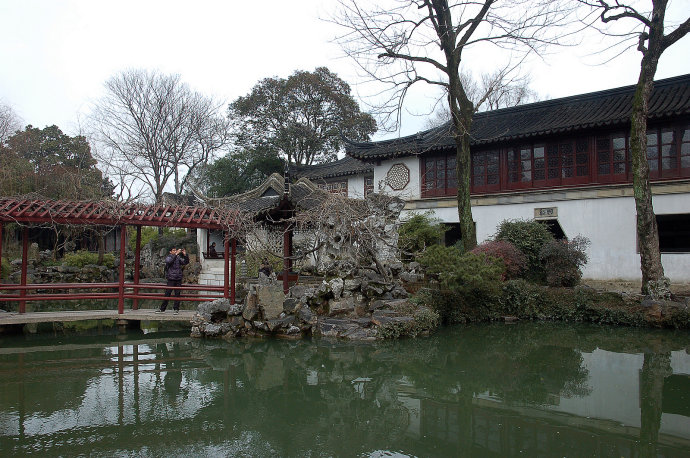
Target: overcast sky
[{"x": 56, "y": 55}]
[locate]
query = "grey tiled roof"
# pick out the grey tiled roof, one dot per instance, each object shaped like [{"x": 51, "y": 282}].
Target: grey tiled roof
[
  {"x": 302, "y": 194},
  {"x": 342, "y": 167},
  {"x": 671, "y": 97}
]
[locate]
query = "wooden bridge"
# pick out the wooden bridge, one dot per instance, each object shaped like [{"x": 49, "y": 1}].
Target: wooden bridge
[
  {"x": 15, "y": 318},
  {"x": 28, "y": 212}
]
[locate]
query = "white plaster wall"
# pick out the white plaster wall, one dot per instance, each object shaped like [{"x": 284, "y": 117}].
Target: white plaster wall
[
  {"x": 609, "y": 223},
  {"x": 202, "y": 235},
  {"x": 413, "y": 188},
  {"x": 355, "y": 187}
]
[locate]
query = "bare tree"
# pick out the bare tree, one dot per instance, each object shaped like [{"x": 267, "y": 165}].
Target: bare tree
[
  {"x": 411, "y": 41},
  {"x": 9, "y": 122},
  {"x": 652, "y": 37},
  {"x": 490, "y": 92},
  {"x": 152, "y": 128}
]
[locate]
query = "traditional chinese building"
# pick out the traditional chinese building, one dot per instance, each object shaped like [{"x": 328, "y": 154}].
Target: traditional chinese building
[{"x": 564, "y": 161}]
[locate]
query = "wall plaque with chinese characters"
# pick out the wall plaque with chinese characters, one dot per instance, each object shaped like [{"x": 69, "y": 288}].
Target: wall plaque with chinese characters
[{"x": 546, "y": 213}]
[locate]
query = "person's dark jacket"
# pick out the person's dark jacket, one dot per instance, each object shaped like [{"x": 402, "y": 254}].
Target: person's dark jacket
[{"x": 173, "y": 264}]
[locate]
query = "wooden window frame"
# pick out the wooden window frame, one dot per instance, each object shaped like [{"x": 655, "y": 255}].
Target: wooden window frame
[
  {"x": 606, "y": 146},
  {"x": 482, "y": 163},
  {"x": 447, "y": 184}
]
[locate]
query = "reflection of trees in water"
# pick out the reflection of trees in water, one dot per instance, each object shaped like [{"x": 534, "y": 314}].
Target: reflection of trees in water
[{"x": 346, "y": 399}]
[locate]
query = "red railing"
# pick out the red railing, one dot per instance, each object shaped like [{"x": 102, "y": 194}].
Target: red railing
[{"x": 128, "y": 294}]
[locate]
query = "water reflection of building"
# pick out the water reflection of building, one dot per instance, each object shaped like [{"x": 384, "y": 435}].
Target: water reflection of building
[
  {"x": 608, "y": 421},
  {"x": 342, "y": 399}
]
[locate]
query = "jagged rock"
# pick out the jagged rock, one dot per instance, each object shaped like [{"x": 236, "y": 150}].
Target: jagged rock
[
  {"x": 414, "y": 266},
  {"x": 340, "y": 307},
  {"x": 289, "y": 305},
  {"x": 214, "y": 311},
  {"x": 235, "y": 309},
  {"x": 305, "y": 314},
  {"x": 409, "y": 277},
  {"x": 363, "y": 322},
  {"x": 270, "y": 298},
  {"x": 332, "y": 327},
  {"x": 373, "y": 290},
  {"x": 293, "y": 330},
  {"x": 399, "y": 293},
  {"x": 260, "y": 325},
  {"x": 324, "y": 290},
  {"x": 251, "y": 307},
  {"x": 336, "y": 286},
  {"x": 361, "y": 309},
  {"x": 374, "y": 276},
  {"x": 302, "y": 293},
  {"x": 213, "y": 330},
  {"x": 365, "y": 334},
  {"x": 382, "y": 319},
  {"x": 352, "y": 284},
  {"x": 285, "y": 322},
  {"x": 375, "y": 305}
]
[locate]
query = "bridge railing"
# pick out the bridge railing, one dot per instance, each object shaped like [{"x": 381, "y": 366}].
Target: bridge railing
[{"x": 131, "y": 291}]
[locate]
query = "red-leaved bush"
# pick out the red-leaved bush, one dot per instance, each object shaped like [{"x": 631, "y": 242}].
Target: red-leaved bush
[{"x": 515, "y": 262}]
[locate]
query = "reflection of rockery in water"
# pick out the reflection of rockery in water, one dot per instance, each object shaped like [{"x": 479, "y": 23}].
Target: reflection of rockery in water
[{"x": 482, "y": 389}]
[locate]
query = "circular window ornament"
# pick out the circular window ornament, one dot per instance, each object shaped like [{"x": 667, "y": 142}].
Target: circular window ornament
[{"x": 398, "y": 177}]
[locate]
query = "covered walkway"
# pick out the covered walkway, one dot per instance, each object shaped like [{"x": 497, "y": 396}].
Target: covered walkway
[{"x": 27, "y": 212}]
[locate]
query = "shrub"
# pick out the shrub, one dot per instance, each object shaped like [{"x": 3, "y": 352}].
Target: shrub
[
  {"x": 419, "y": 232},
  {"x": 148, "y": 234},
  {"x": 563, "y": 260},
  {"x": 82, "y": 258},
  {"x": 529, "y": 237},
  {"x": 514, "y": 261},
  {"x": 438, "y": 259},
  {"x": 253, "y": 262},
  {"x": 471, "y": 283}
]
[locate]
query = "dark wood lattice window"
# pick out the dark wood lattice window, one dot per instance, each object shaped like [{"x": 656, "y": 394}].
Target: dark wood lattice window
[
  {"x": 612, "y": 158},
  {"x": 685, "y": 151},
  {"x": 668, "y": 151},
  {"x": 335, "y": 187},
  {"x": 439, "y": 176},
  {"x": 539, "y": 164},
  {"x": 520, "y": 167},
  {"x": 485, "y": 171},
  {"x": 567, "y": 162}
]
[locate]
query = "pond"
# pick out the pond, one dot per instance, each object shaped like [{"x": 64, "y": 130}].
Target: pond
[{"x": 530, "y": 389}]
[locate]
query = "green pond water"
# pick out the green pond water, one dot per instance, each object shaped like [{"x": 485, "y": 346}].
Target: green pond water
[{"x": 529, "y": 389}]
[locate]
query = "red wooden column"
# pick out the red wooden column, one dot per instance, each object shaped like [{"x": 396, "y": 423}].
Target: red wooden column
[
  {"x": 286, "y": 258},
  {"x": 25, "y": 255},
  {"x": 137, "y": 257},
  {"x": 232, "y": 271},
  {"x": 121, "y": 271},
  {"x": 226, "y": 260}
]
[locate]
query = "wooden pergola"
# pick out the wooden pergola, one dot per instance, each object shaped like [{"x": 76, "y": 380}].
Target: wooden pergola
[{"x": 105, "y": 213}]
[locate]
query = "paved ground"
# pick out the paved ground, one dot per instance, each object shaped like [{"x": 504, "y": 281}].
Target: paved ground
[
  {"x": 632, "y": 287},
  {"x": 133, "y": 315}
]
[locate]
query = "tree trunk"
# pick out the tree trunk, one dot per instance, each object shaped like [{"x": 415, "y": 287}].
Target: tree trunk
[
  {"x": 101, "y": 248},
  {"x": 647, "y": 231},
  {"x": 656, "y": 367},
  {"x": 463, "y": 164},
  {"x": 461, "y": 114}
]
